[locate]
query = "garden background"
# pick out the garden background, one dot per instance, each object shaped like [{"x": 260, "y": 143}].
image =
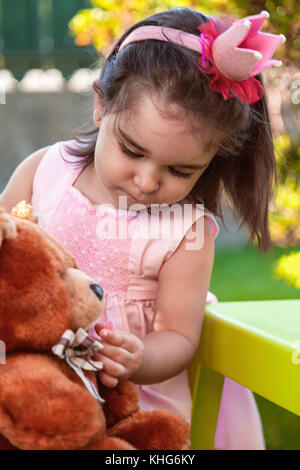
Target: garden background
[{"x": 49, "y": 54}]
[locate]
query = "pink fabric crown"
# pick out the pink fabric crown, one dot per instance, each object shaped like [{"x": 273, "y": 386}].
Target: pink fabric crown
[{"x": 233, "y": 54}]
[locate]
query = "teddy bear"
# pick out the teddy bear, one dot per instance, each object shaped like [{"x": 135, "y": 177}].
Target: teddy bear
[{"x": 48, "y": 401}]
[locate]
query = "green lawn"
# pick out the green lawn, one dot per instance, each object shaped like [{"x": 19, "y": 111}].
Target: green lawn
[{"x": 243, "y": 273}]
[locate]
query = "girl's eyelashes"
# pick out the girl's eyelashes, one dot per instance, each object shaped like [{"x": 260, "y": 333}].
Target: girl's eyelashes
[
  {"x": 132, "y": 154},
  {"x": 180, "y": 174}
]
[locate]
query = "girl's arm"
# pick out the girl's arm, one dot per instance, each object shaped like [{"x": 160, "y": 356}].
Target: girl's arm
[
  {"x": 183, "y": 284},
  {"x": 19, "y": 186}
]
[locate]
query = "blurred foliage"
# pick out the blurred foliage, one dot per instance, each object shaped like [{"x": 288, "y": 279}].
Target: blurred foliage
[
  {"x": 288, "y": 158},
  {"x": 288, "y": 268},
  {"x": 102, "y": 24},
  {"x": 241, "y": 272},
  {"x": 285, "y": 208}
]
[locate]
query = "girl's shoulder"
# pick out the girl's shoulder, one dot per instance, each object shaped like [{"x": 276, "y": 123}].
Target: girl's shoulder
[
  {"x": 57, "y": 163},
  {"x": 183, "y": 223},
  {"x": 190, "y": 226},
  {"x": 60, "y": 154},
  {"x": 54, "y": 175}
]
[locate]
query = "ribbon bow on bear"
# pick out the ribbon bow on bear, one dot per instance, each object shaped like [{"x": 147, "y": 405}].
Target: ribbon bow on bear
[{"x": 77, "y": 349}]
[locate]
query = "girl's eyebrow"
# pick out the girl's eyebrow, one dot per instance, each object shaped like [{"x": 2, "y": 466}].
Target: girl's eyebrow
[
  {"x": 144, "y": 150},
  {"x": 131, "y": 141}
]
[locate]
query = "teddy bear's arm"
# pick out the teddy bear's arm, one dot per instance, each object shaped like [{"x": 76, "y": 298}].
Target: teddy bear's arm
[
  {"x": 41, "y": 408},
  {"x": 153, "y": 430}
]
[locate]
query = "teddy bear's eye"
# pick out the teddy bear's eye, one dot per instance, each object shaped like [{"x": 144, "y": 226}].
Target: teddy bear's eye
[{"x": 61, "y": 274}]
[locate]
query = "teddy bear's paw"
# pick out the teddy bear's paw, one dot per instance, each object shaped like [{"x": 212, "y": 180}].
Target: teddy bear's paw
[
  {"x": 8, "y": 227},
  {"x": 110, "y": 443},
  {"x": 120, "y": 401},
  {"x": 153, "y": 430}
]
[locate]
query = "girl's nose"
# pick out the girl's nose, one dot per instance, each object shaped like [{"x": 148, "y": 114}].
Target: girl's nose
[{"x": 146, "y": 181}]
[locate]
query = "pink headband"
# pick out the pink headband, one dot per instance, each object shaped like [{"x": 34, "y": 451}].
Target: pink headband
[{"x": 233, "y": 56}]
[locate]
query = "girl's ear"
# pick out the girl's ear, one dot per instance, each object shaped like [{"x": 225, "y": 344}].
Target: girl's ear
[{"x": 98, "y": 106}]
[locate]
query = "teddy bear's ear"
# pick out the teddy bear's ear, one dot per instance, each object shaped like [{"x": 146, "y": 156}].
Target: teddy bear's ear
[
  {"x": 24, "y": 211},
  {"x": 8, "y": 228}
]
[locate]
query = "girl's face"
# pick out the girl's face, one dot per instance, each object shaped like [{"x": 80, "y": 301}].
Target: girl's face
[{"x": 147, "y": 157}]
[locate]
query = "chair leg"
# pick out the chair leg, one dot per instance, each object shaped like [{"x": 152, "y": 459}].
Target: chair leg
[{"x": 206, "y": 404}]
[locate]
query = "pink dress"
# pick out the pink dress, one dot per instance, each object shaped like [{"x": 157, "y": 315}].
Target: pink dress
[{"x": 126, "y": 265}]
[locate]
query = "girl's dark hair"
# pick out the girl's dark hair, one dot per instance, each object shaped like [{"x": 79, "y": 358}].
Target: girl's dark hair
[{"x": 244, "y": 168}]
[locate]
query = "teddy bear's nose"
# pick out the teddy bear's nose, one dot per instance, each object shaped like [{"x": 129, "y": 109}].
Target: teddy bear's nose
[{"x": 98, "y": 291}]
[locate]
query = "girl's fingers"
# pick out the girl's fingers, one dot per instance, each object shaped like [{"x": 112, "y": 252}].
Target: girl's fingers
[
  {"x": 98, "y": 327},
  {"x": 107, "y": 380},
  {"x": 111, "y": 367},
  {"x": 97, "y": 357},
  {"x": 117, "y": 354},
  {"x": 107, "y": 325},
  {"x": 121, "y": 338}
]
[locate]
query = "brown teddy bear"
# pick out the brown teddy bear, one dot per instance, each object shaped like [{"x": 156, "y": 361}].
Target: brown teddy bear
[{"x": 45, "y": 403}]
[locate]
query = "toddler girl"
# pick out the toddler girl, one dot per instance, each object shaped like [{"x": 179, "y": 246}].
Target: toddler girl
[{"x": 180, "y": 121}]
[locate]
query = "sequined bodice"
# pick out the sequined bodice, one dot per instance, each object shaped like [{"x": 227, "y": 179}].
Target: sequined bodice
[{"x": 103, "y": 258}]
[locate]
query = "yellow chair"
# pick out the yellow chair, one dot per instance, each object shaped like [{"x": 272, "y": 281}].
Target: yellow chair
[{"x": 256, "y": 344}]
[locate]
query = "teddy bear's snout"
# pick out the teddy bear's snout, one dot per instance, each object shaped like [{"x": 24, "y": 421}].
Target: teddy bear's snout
[{"x": 97, "y": 290}]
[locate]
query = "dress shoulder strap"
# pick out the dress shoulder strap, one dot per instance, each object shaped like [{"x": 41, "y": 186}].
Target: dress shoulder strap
[
  {"x": 149, "y": 253},
  {"x": 192, "y": 213},
  {"x": 54, "y": 175}
]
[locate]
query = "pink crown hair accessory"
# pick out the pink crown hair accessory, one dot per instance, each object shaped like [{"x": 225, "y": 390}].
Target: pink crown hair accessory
[{"x": 232, "y": 54}]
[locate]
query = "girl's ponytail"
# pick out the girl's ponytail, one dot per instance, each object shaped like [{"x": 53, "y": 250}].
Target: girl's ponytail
[
  {"x": 243, "y": 175},
  {"x": 250, "y": 182}
]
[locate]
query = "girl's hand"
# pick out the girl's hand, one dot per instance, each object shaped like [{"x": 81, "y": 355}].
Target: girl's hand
[{"x": 122, "y": 355}]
